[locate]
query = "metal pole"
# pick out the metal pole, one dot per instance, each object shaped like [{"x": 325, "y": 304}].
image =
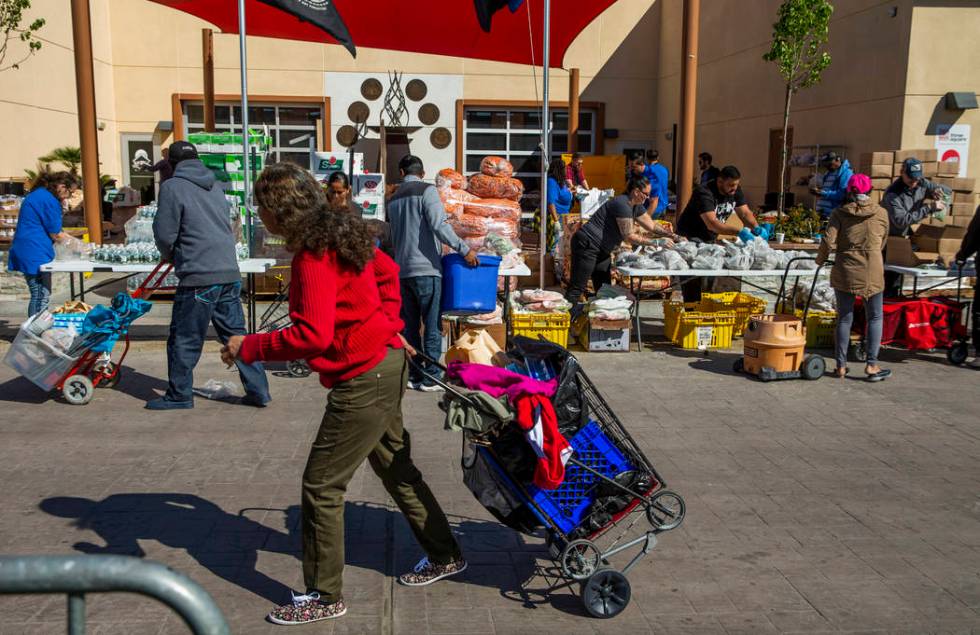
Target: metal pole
[
  {"x": 246, "y": 155},
  {"x": 689, "y": 96},
  {"x": 207, "y": 51},
  {"x": 545, "y": 139},
  {"x": 87, "y": 126}
]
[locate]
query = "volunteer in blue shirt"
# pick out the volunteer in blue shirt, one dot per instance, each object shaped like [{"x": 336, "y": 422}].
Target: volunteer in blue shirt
[
  {"x": 38, "y": 226},
  {"x": 559, "y": 196},
  {"x": 833, "y": 185},
  {"x": 659, "y": 177}
]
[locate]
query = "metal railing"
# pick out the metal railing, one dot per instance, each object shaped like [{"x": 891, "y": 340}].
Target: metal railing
[{"x": 78, "y": 575}]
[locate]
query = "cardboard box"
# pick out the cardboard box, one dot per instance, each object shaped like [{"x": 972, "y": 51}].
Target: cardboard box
[
  {"x": 944, "y": 181},
  {"x": 962, "y": 209},
  {"x": 877, "y": 158},
  {"x": 944, "y": 240},
  {"x": 935, "y": 222},
  {"x": 496, "y": 331},
  {"x": 925, "y": 155},
  {"x": 876, "y": 195},
  {"x": 965, "y": 198},
  {"x": 898, "y": 251},
  {"x": 929, "y": 169},
  {"x": 897, "y": 170},
  {"x": 369, "y": 194},
  {"x": 959, "y": 221},
  {"x": 880, "y": 184},
  {"x": 963, "y": 185},
  {"x": 948, "y": 168},
  {"x": 877, "y": 171},
  {"x": 326, "y": 163},
  {"x": 603, "y": 335}
]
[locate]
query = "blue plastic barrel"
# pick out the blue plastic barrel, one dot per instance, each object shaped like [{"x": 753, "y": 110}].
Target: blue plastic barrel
[{"x": 469, "y": 289}]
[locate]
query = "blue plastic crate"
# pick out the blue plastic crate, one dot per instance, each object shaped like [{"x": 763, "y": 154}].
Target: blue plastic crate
[
  {"x": 568, "y": 505},
  {"x": 63, "y": 320}
]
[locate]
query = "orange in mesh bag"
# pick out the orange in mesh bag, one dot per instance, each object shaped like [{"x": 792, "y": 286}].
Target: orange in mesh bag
[
  {"x": 468, "y": 225},
  {"x": 453, "y": 200},
  {"x": 494, "y": 208},
  {"x": 451, "y": 177},
  {"x": 495, "y": 187},
  {"x": 496, "y": 166}
]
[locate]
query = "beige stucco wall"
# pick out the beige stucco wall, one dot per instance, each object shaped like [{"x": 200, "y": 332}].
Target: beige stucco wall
[{"x": 945, "y": 53}]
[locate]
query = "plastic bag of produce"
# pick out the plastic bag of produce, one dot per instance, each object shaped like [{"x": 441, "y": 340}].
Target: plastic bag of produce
[
  {"x": 495, "y": 187},
  {"x": 537, "y": 295},
  {"x": 709, "y": 259},
  {"x": 451, "y": 178},
  {"x": 477, "y": 243},
  {"x": 469, "y": 226},
  {"x": 670, "y": 260},
  {"x": 454, "y": 200},
  {"x": 500, "y": 245},
  {"x": 494, "y": 207},
  {"x": 687, "y": 250},
  {"x": 503, "y": 227},
  {"x": 496, "y": 166},
  {"x": 740, "y": 261}
]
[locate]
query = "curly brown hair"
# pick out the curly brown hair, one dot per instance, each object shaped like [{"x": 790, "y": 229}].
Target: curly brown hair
[{"x": 300, "y": 208}]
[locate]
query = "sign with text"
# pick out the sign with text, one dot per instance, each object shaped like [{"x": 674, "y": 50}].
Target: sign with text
[{"x": 953, "y": 144}]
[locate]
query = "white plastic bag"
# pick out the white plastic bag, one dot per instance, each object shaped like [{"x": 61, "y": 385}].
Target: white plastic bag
[
  {"x": 687, "y": 250},
  {"x": 215, "y": 389}
]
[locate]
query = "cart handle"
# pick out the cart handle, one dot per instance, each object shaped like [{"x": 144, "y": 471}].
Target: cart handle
[
  {"x": 154, "y": 281},
  {"x": 781, "y": 297}
]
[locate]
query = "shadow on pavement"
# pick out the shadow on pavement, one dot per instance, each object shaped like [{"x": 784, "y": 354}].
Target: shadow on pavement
[
  {"x": 228, "y": 544},
  {"x": 20, "y": 390},
  {"x": 132, "y": 382}
]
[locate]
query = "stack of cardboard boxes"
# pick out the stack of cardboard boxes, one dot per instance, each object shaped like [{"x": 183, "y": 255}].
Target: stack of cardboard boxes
[{"x": 933, "y": 240}]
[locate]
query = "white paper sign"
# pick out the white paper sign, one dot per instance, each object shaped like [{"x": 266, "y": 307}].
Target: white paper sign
[
  {"x": 953, "y": 144},
  {"x": 704, "y": 336}
]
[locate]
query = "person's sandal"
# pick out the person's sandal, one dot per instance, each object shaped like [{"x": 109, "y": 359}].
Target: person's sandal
[{"x": 305, "y": 609}]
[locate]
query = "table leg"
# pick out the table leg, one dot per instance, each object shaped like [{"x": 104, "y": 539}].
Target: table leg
[
  {"x": 71, "y": 286},
  {"x": 250, "y": 278},
  {"x": 81, "y": 286}
]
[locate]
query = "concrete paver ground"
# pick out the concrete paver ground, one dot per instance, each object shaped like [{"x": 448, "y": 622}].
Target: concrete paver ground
[{"x": 828, "y": 506}]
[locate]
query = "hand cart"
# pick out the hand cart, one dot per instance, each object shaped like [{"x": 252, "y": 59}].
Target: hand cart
[
  {"x": 276, "y": 317},
  {"x": 609, "y": 486}
]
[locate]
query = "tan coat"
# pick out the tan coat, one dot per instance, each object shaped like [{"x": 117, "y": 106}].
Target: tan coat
[{"x": 857, "y": 233}]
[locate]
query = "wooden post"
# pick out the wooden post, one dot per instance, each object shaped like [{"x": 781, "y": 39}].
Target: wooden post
[
  {"x": 689, "y": 99},
  {"x": 573, "y": 104},
  {"x": 88, "y": 136},
  {"x": 207, "y": 50}
]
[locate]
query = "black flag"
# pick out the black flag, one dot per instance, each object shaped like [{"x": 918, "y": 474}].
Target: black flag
[
  {"x": 321, "y": 14},
  {"x": 486, "y": 8}
]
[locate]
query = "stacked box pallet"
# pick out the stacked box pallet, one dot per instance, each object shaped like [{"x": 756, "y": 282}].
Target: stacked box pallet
[{"x": 878, "y": 166}]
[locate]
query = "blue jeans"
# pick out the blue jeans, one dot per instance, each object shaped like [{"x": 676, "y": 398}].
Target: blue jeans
[
  {"x": 39, "y": 285},
  {"x": 194, "y": 308},
  {"x": 420, "y": 312},
  {"x": 874, "y": 310}
]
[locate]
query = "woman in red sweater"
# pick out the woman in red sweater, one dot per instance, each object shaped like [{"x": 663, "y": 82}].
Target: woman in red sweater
[{"x": 344, "y": 306}]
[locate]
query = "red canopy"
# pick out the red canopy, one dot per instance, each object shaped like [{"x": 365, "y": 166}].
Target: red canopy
[{"x": 439, "y": 27}]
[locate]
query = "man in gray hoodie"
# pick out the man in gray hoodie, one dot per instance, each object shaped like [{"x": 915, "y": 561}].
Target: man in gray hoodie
[
  {"x": 419, "y": 229},
  {"x": 192, "y": 230}
]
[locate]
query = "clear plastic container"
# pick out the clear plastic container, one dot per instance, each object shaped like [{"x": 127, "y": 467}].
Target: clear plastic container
[{"x": 37, "y": 360}]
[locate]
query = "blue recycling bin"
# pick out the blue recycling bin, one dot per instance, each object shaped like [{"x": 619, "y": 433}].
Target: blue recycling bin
[{"x": 468, "y": 289}]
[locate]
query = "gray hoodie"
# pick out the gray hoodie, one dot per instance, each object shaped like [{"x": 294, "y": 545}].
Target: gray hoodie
[
  {"x": 193, "y": 227},
  {"x": 907, "y": 206}
]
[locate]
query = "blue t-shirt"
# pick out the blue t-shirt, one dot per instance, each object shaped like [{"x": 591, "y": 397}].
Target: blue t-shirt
[
  {"x": 559, "y": 195},
  {"x": 40, "y": 216},
  {"x": 659, "y": 178}
]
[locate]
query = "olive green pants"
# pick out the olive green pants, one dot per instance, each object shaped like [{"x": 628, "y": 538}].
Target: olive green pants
[{"x": 363, "y": 420}]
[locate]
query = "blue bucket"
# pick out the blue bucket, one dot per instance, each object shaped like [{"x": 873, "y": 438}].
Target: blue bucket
[{"x": 469, "y": 289}]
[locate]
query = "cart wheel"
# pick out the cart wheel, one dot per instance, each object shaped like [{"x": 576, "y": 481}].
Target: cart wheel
[
  {"x": 298, "y": 368},
  {"x": 666, "y": 510},
  {"x": 813, "y": 367},
  {"x": 859, "y": 351},
  {"x": 109, "y": 379},
  {"x": 78, "y": 390},
  {"x": 580, "y": 559},
  {"x": 958, "y": 353},
  {"x": 606, "y": 593},
  {"x": 739, "y": 365}
]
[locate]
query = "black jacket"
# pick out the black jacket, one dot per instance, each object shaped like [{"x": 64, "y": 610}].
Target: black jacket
[{"x": 971, "y": 242}]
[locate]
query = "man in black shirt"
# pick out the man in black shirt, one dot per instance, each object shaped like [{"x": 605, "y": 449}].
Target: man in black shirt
[
  {"x": 706, "y": 216},
  {"x": 607, "y": 229}
]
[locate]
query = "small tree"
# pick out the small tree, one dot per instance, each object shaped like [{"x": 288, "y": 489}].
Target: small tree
[
  {"x": 69, "y": 156},
  {"x": 11, "y": 17},
  {"x": 801, "y": 29}
]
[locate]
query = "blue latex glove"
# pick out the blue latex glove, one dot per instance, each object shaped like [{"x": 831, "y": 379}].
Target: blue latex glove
[
  {"x": 745, "y": 235},
  {"x": 761, "y": 232}
]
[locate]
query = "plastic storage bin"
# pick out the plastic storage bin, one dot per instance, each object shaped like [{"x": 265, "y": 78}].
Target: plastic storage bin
[
  {"x": 469, "y": 289},
  {"x": 551, "y": 326},
  {"x": 569, "y": 503},
  {"x": 820, "y": 328},
  {"x": 745, "y": 305},
  {"x": 36, "y": 360},
  {"x": 705, "y": 330},
  {"x": 672, "y": 310}
]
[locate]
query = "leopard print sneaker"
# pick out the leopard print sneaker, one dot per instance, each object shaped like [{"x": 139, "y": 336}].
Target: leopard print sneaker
[
  {"x": 426, "y": 572},
  {"x": 305, "y": 609}
]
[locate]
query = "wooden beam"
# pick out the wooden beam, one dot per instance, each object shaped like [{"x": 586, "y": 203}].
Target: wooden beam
[
  {"x": 689, "y": 99},
  {"x": 207, "y": 52},
  {"x": 573, "y": 106},
  {"x": 88, "y": 135}
]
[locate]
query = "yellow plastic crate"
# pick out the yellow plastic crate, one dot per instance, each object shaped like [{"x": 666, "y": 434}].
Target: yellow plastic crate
[
  {"x": 705, "y": 330},
  {"x": 672, "y": 310},
  {"x": 745, "y": 305},
  {"x": 820, "y": 328},
  {"x": 551, "y": 326}
]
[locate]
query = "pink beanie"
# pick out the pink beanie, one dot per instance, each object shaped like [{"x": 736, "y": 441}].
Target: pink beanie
[{"x": 859, "y": 183}]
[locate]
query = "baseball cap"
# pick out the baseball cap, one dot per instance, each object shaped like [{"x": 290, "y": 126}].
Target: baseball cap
[
  {"x": 912, "y": 167},
  {"x": 181, "y": 151},
  {"x": 828, "y": 157},
  {"x": 859, "y": 183}
]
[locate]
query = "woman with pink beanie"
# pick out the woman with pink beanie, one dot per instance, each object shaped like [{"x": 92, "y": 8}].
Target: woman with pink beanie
[{"x": 856, "y": 233}]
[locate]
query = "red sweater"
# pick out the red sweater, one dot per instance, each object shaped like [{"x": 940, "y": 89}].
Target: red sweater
[{"x": 343, "y": 322}]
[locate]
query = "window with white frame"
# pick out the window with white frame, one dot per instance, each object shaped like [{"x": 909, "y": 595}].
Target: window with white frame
[
  {"x": 291, "y": 126},
  {"x": 515, "y": 133}
]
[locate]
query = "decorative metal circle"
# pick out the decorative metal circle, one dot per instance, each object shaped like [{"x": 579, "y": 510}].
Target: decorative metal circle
[
  {"x": 358, "y": 112},
  {"x": 346, "y": 136},
  {"x": 441, "y": 138},
  {"x": 371, "y": 89},
  {"x": 429, "y": 114},
  {"x": 416, "y": 90}
]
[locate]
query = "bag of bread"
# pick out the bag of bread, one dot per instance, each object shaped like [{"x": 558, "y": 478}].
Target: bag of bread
[
  {"x": 494, "y": 208},
  {"x": 452, "y": 178},
  {"x": 496, "y": 166},
  {"x": 495, "y": 187}
]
